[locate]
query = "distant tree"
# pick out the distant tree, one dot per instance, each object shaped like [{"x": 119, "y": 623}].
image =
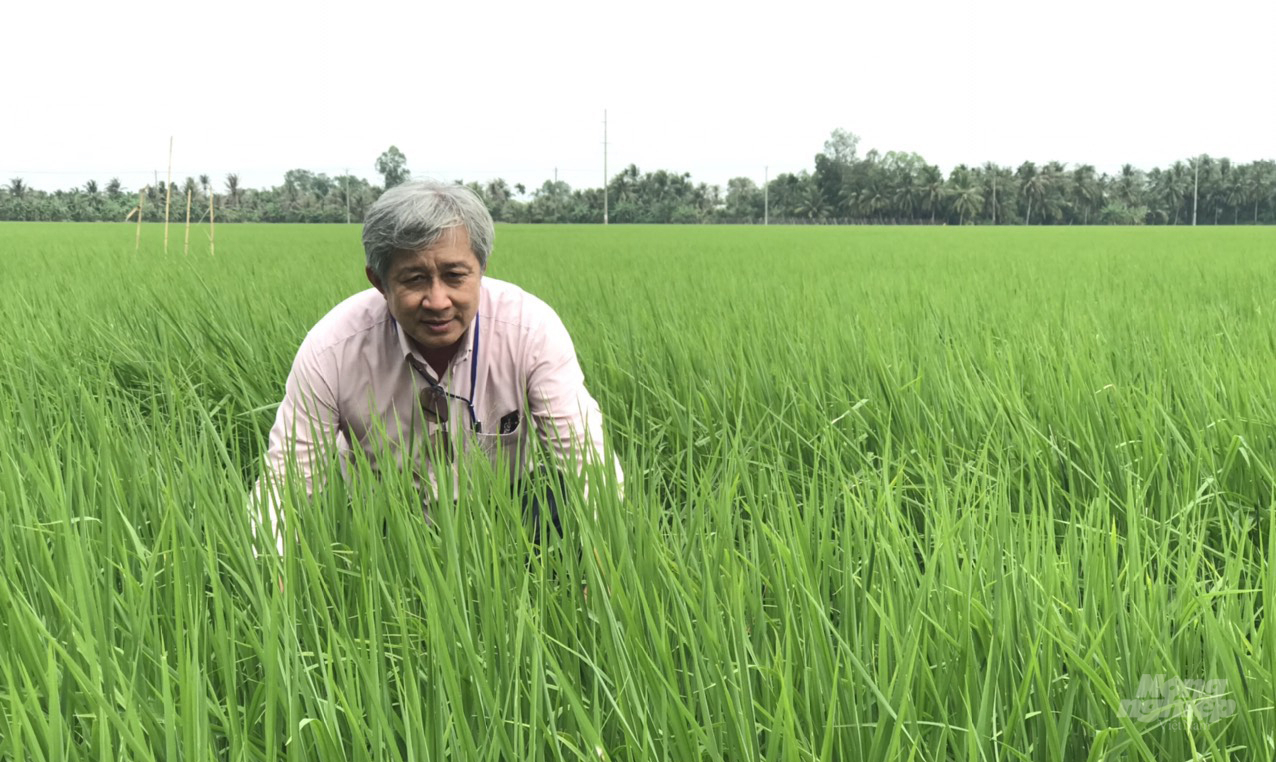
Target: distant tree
[
  {"x": 1116, "y": 212},
  {"x": 964, "y": 191},
  {"x": 811, "y": 203},
  {"x": 1259, "y": 184},
  {"x": 967, "y": 201},
  {"x": 1032, "y": 187},
  {"x": 1171, "y": 187},
  {"x": 932, "y": 191},
  {"x": 743, "y": 201},
  {"x": 1087, "y": 193},
  {"x": 870, "y": 201},
  {"x": 832, "y": 178},
  {"x": 623, "y": 191},
  {"x": 998, "y": 187},
  {"x": 841, "y": 146},
  {"x": 393, "y": 166},
  {"x": 1228, "y": 194},
  {"x": 498, "y": 194},
  {"x": 843, "y": 184},
  {"x": 1129, "y": 186},
  {"x": 297, "y": 183},
  {"x": 321, "y": 188},
  {"x": 900, "y": 179},
  {"x": 1056, "y": 201},
  {"x": 550, "y": 202}
]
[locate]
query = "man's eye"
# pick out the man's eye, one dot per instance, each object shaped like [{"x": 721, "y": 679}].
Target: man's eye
[{"x": 455, "y": 277}]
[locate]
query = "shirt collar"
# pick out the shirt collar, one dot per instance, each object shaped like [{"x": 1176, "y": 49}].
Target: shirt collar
[{"x": 462, "y": 354}]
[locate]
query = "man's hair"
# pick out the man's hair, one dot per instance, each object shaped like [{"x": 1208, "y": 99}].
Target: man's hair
[{"x": 415, "y": 215}]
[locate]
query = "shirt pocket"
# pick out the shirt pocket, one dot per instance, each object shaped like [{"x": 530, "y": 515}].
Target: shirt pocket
[{"x": 506, "y": 446}]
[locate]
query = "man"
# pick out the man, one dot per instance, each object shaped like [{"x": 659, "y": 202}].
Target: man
[{"x": 435, "y": 361}]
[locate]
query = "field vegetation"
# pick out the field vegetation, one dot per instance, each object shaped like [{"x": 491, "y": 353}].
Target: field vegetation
[
  {"x": 844, "y": 185},
  {"x": 892, "y": 493}
]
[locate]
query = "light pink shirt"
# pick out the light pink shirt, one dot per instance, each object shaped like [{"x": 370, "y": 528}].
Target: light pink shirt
[{"x": 351, "y": 385}]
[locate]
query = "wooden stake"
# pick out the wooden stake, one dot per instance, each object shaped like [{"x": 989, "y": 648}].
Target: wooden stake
[
  {"x": 141, "y": 199},
  {"x": 187, "y": 248},
  {"x": 212, "y": 233},
  {"x": 168, "y": 191}
]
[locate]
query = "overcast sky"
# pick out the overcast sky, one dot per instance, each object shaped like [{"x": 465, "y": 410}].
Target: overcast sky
[{"x": 475, "y": 90}]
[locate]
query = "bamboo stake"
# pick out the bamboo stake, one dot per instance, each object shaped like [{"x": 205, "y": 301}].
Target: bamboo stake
[
  {"x": 168, "y": 191},
  {"x": 212, "y": 233},
  {"x": 141, "y": 199},
  {"x": 187, "y": 248}
]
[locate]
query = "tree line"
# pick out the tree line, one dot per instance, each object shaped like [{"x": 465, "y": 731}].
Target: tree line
[{"x": 843, "y": 187}]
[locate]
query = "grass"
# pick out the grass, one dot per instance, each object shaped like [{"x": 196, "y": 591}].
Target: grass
[{"x": 891, "y": 494}]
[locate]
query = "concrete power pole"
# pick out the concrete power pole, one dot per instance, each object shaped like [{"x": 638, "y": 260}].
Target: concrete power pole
[
  {"x": 168, "y": 191},
  {"x": 1196, "y": 176},
  {"x": 604, "y": 166},
  {"x": 766, "y": 195}
]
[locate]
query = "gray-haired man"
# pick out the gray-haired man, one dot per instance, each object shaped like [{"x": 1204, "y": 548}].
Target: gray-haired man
[{"x": 435, "y": 346}]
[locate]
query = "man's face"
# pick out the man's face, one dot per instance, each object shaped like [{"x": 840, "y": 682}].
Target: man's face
[{"x": 434, "y": 292}]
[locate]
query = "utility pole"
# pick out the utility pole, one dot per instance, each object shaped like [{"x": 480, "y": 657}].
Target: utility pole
[
  {"x": 168, "y": 191},
  {"x": 604, "y": 166},
  {"x": 766, "y": 195},
  {"x": 1196, "y": 176}
]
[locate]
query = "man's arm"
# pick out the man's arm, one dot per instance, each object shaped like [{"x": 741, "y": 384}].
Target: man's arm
[
  {"x": 305, "y": 432},
  {"x": 568, "y": 420}
]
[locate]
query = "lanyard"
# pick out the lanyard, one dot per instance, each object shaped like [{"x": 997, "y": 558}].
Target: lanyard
[
  {"x": 474, "y": 356},
  {"x": 436, "y": 388}
]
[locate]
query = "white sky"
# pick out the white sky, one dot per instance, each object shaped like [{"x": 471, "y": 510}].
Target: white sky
[{"x": 474, "y": 90}]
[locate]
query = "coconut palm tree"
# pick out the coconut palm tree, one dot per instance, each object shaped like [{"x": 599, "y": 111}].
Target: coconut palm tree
[
  {"x": 903, "y": 194},
  {"x": 1033, "y": 186},
  {"x": 963, "y": 189},
  {"x": 967, "y": 201},
  {"x": 997, "y": 184},
  {"x": 932, "y": 190},
  {"x": 1129, "y": 186},
  {"x": 1171, "y": 187},
  {"x": 870, "y": 200},
  {"x": 1087, "y": 193},
  {"x": 811, "y": 204}
]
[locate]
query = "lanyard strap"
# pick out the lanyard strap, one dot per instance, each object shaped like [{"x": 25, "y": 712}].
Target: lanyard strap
[
  {"x": 474, "y": 356},
  {"x": 437, "y": 386}
]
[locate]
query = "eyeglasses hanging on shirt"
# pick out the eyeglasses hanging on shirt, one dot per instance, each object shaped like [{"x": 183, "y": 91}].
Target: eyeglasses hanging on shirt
[{"x": 434, "y": 397}]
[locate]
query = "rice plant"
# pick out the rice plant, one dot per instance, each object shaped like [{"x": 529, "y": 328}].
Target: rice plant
[{"x": 929, "y": 494}]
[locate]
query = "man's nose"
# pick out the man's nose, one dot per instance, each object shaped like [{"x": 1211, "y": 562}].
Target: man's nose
[{"x": 436, "y": 297}]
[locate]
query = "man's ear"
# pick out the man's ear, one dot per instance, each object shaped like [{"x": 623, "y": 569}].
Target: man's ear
[{"x": 374, "y": 280}]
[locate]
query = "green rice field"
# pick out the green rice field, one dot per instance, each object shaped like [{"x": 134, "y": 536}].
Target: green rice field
[{"x": 891, "y": 494}]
